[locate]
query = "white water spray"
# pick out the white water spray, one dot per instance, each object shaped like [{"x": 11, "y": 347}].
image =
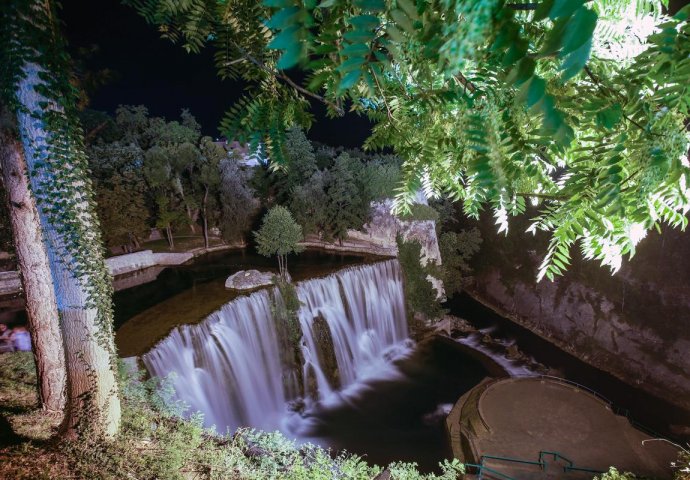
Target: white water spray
[{"x": 229, "y": 366}]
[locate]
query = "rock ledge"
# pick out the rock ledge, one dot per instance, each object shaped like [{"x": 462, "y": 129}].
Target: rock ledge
[{"x": 249, "y": 280}]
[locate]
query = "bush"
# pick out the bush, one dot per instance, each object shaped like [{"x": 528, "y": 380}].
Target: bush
[
  {"x": 613, "y": 474},
  {"x": 420, "y": 213},
  {"x": 457, "y": 249},
  {"x": 155, "y": 442},
  {"x": 420, "y": 295}
]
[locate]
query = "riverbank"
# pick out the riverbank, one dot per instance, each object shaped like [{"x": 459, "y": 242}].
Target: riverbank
[{"x": 122, "y": 265}]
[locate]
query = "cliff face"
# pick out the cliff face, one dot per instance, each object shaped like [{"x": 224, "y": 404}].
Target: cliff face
[
  {"x": 378, "y": 237},
  {"x": 635, "y": 324}
]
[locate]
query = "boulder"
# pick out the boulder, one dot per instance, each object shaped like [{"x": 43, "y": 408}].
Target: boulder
[{"x": 249, "y": 280}]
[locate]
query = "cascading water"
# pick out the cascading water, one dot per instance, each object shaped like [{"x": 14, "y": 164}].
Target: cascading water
[{"x": 230, "y": 366}]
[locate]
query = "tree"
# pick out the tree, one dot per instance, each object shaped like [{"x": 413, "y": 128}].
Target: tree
[
  {"x": 346, "y": 206},
  {"x": 237, "y": 201},
  {"x": 299, "y": 164},
  {"x": 208, "y": 176},
  {"x": 279, "y": 235},
  {"x": 34, "y": 268},
  {"x": 493, "y": 102},
  {"x": 310, "y": 202},
  {"x": 122, "y": 210},
  {"x": 36, "y": 88},
  {"x": 457, "y": 249}
]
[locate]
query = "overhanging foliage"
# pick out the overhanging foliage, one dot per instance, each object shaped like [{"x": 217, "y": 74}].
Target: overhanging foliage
[{"x": 577, "y": 106}]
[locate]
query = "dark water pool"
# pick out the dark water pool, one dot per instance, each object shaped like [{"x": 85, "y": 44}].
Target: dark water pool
[
  {"x": 403, "y": 419},
  {"x": 652, "y": 412}
]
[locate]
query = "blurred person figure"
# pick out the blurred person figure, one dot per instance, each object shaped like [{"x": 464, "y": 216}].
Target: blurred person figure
[{"x": 21, "y": 339}]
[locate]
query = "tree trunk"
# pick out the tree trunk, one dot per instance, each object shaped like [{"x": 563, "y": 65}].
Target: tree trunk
[
  {"x": 53, "y": 148},
  {"x": 205, "y": 219},
  {"x": 41, "y": 309},
  {"x": 192, "y": 220}
]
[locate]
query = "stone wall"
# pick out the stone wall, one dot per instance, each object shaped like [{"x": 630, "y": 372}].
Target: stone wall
[{"x": 634, "y": 325}]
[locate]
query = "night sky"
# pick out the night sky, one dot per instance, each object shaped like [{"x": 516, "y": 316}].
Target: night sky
[
  {"x": 156, "y": 73},
  {"x": 160, "y": 75}
]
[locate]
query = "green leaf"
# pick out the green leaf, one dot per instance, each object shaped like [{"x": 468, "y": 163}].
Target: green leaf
[
  {"x": 576, "y": 61},
  {"x": 579, "y": 30},
  {"x": 554, "y": 38},
  {"x": 283, "y": 18},
  {"x": 278, "y": 3},
  {"x": 349, "y": 81},
  {"x": 543, "y": 10},
  {"x": 359, "y": 36},
  {"x": 535, "y": 91},
  {"x": 564, "y": 8},
  {"x": 290, "y": 57},
  {"x": 286, "y": 39},
  {"x": 522, "y": 71},
  {"x": 370, "y": 5},
  {"x": 609, "y": 117},
  {"x": 328, "y": 3},
  {"x": 364, "y": 22},
  {"x": 409, "y": 8},
  {"x": 319, "y": 80},
  {"x": 403, "y": 21},
  {"x": 351, "y": 64},
  {"x": 356, "y": 50},
  {"x": 395, "y": 34}
]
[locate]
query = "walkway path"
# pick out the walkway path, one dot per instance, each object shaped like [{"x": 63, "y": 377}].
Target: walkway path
[{"x": 519, "y": 417}]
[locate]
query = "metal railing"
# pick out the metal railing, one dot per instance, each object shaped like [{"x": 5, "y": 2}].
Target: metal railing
[
  {"x": 483, "y": 468},
  {"x": 542, "y": 463},
  {"x": 570, "y": 465}
]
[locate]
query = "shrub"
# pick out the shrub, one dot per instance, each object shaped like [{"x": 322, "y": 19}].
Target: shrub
[
  {"x": 420, "y": 295},
  {"x": 420, "y": 213}
]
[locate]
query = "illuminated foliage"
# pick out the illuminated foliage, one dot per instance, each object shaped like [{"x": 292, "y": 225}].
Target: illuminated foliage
[{"x": 576, "y": 106}]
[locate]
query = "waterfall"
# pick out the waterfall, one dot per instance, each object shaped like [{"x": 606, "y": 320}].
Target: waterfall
[{"x": 232, "y": 368}]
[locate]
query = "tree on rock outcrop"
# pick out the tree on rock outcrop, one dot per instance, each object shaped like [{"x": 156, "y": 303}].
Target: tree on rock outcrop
[{"x": 279, "y": 235}]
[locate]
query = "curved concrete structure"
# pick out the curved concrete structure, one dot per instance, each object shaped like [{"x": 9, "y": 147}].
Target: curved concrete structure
[{"x": 521, "y": 417}]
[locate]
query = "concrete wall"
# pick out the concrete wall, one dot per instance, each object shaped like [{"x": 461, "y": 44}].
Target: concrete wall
[
  {"x": 635, "y": 324},
  {"x": 122, "y": 265}
]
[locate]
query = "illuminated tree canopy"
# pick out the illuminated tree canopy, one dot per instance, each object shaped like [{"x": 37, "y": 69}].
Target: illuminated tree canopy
[{"x": 578, "y": 107}]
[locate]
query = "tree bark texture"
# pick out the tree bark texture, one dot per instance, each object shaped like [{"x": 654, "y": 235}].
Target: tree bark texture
[
  {"x": 41, "y": 308},
  {"x": 92, "y": 395}
]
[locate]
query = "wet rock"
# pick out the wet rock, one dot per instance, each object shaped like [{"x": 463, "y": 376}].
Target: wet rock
[
  {"x": 326, "y": 350},
  {"x": 298, "y": 405},
  {"x": 249, "y": 280},
  {"x": 311, "y": 387},
  {"x": 513, "y": 353}
]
